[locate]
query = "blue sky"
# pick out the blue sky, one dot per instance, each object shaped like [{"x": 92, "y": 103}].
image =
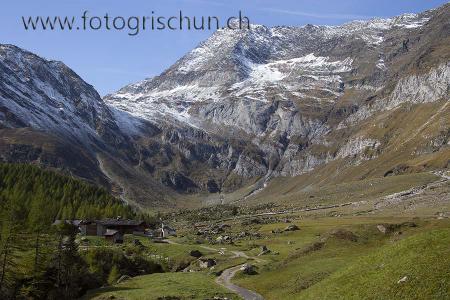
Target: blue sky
[{"x": 111, "y": 59}]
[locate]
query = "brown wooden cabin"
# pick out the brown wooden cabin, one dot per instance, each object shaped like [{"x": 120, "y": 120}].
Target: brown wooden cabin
[
  {"x": 113, "y": 236},
  {"x": 99, "y": 227},
  {"x": 88, "y": 228},
  {"x": 121, "y": 225}
]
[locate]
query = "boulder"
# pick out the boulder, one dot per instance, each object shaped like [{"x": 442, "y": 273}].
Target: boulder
[
  {"x": 248, "y": 269},
  {"x": 242, "y": 234},
  {"x": 390, "y": 228},
  {"x": 206, "y": 263},
  {"x": 381, "y": 228},
  {"x": 292, "y": 227},
  {"x": 441, "y": 215},
  {"x": 224, "y": 239},
  {"x": 264, "y": 250},
  {"x": 195, "y": 253}
]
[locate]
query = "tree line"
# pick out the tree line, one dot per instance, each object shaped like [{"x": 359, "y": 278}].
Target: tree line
[
  {"x": 30, "y": 190},
  {"x": 41, "y": 261}
]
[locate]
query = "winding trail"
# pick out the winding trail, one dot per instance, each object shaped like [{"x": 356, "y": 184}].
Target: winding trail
[
  {"x": 399, "y": 197},
  {"x": 225, "y": 280}
]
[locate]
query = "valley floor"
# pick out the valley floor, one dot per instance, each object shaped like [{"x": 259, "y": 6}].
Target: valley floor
[{"x": 391, "y": 247}]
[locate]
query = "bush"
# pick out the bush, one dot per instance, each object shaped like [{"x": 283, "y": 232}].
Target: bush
[
  {"x": 113, "y": 275},
  {"x": 101, "y": 261}
]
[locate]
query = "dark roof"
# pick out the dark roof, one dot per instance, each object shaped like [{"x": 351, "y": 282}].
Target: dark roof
[
  {"x": 119, "y": 222},
  {"x": 72, "y": 222},
  {"x": 113, "y": 222},
  {"x": 111, "y": 232},
  {"x": 87, "y": 222},
  {"x": 168, "y": 227}
]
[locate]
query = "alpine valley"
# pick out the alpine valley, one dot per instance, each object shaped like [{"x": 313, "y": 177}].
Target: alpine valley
[{"x": 285, "y": 115}]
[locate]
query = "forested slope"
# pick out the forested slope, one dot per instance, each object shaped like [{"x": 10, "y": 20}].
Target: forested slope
[{"x": 31, "y": 191}]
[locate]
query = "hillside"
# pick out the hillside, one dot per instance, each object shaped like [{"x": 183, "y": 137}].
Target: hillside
[
  {"x": 313, "y": 106},
  {"x": 30, "y": 189},
  {"x": 308, "y": 106},
  {"x": 425, "y": 276},
  {"x": 285, "y": 162}
]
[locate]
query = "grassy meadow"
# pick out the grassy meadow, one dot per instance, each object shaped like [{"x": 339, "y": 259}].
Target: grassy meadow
[{"x": 379, "y": 247}]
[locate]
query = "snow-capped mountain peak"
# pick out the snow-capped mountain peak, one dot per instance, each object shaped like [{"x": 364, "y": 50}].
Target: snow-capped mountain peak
[
  {"x": 245, "y": 63},
  {"x": 48, "y": 96},
  {"x": 243, "y": 107}
]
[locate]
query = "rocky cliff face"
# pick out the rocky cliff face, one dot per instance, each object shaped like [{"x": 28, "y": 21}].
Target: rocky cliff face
[
  {"x": 247, "y": 106},
  {"x": 48, "y": 96},
  {"x": 50, "y": 116},
  {"x": 284, "y": 93}
]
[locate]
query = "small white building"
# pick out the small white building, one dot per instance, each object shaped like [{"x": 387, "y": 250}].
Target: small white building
[{"x": 167, "y": 231}]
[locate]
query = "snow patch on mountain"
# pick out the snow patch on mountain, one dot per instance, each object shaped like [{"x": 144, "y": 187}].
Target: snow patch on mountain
[
  {"x": 251, "y": 64},
  {"x": 309, "y": 72},
  {"x": 47, "y": 95}
]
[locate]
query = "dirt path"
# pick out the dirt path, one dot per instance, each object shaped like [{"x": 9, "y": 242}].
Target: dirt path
[
  {"x": 403, "y": 196},
  {"x": 225, "y": 280},
  {"x": 236, "y": 254},
  {"x": 283, "y": 212}
]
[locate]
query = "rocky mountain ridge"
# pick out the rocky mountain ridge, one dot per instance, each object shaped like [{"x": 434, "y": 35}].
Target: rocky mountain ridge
[{"x": 244, "y": 107}]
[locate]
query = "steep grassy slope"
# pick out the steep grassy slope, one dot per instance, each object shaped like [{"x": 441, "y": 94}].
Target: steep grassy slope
[
  {"x": 289, "y": 192},
  {"x": 422, "y": 261},
  {"x": 350, "y": 259},
  {"x": 413, "y": 140},
  {"x": 26, "y": 145}
]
